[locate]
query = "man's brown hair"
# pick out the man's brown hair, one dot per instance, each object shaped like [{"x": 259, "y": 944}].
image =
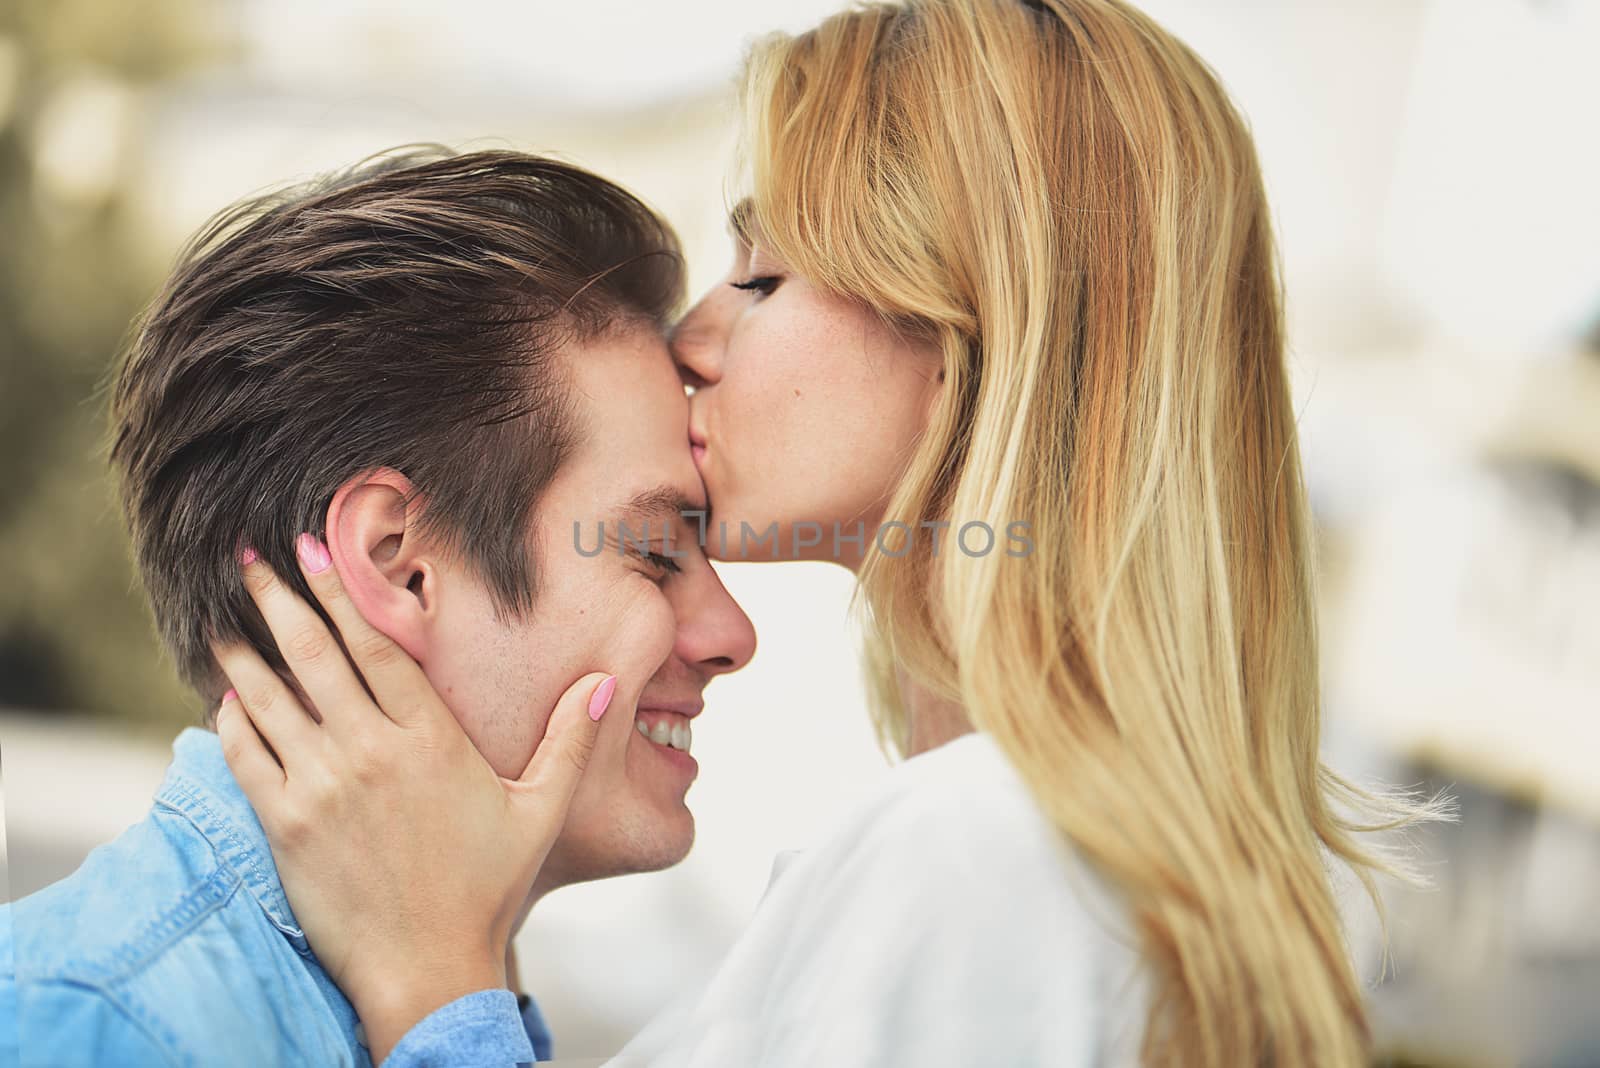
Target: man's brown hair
[{"x": 401, "y": 314}]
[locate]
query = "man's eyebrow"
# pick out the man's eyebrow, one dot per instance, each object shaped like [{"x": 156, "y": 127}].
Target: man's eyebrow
[{"x": 659, "y": 502}]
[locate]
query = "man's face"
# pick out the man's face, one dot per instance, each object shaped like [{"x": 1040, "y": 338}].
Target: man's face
[{"x": 664, "y": 633}]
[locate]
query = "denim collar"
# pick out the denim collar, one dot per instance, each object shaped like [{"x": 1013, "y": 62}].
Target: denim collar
[{"x": 201, "y": 788}]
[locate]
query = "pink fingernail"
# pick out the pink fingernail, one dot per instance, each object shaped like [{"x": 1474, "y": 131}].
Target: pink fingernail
[
  {"x": 247, "y": 556},
  {"x": 602, "y": 697},
  {"x": 313, "y": 553}
]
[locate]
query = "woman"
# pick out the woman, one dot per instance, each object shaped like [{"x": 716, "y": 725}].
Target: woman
[{"x": 1007, "y": 267}]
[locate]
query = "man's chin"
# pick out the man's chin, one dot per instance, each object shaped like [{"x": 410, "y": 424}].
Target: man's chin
[
  {"x": 631, "y": 846},
  {"x": 668, "y": 850}
]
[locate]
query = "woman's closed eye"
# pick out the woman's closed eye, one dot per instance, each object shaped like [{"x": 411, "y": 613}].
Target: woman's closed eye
[{"x": 764, "y": 284}]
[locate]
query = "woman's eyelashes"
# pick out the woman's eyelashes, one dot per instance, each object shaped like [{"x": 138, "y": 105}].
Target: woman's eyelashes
[{"x": 764, "y": 284}]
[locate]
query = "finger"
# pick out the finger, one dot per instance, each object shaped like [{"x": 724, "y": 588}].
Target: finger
[
  {"x": 277, "y": 713},
  {"x": 557, "y": 766},
  {"x": 396, "y": 681},
  {"x": 308, "y": 648},
  {"x": 253, "y": 766}
]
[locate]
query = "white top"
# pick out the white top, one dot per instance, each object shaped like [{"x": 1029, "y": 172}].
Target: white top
[{"x": 945, "y": 922}]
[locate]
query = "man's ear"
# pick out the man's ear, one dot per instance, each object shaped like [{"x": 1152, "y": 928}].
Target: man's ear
[{"x": 387, "y": 567}]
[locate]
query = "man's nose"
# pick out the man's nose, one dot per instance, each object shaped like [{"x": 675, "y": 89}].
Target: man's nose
[{"x": 714, "y": 634}]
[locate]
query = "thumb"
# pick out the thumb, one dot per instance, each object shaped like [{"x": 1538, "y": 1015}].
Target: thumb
[{"x": 553, "y": 772}]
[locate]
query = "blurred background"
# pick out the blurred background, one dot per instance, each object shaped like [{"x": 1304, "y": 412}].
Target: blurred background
[{"x": 1434, "y": 169}]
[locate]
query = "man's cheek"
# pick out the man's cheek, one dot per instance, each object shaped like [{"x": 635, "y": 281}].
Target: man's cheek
[
  {"x": 508, "y": 741},
  {"x": 611, "y": 751}
]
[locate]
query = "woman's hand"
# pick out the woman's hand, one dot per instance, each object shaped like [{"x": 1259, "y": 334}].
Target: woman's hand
[{"x": 407, "y": 860}]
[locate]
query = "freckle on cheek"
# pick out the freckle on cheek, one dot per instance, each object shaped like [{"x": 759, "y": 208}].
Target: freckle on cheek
[{"x": 797, "y": 393}]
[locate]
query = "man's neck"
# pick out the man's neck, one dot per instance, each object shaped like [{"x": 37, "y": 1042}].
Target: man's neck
[{"x": 513, "y": 979}]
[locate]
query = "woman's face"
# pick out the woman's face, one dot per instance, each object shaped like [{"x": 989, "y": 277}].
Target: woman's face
[{"x": 805, "y": 410}]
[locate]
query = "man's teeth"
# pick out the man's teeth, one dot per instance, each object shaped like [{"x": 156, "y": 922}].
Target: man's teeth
[{"x": 676, "y": 735}]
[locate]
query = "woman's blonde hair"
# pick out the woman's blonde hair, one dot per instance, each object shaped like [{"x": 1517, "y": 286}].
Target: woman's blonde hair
[{"x": 1061, "y": 197}]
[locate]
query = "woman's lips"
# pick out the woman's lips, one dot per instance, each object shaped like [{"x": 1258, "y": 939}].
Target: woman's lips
[{"x": 697, "y": 446}]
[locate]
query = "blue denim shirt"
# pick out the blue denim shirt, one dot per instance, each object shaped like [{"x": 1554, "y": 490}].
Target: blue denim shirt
[{"x": 175, "y": 945}]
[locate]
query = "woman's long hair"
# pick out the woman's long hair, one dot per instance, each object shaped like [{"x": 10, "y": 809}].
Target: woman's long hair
[{"x": 1061, "y": 197}]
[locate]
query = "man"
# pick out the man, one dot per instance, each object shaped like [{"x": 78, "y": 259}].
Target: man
[{"x": 440, "y": 364}]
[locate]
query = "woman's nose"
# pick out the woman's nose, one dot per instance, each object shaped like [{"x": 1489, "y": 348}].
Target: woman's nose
[{"x": 696, "y": 344}]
